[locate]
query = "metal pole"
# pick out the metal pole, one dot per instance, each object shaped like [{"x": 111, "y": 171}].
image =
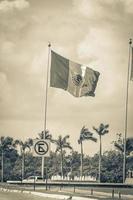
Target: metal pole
[
  {"x": 100, "y": 154},
  {"x": 46, "y": 99},
  {"x": 34, "y": 184},
  {"x": 42, "y": 167},
  {"x": 2, "y": 165},
  {"x": 81, "y": 172},
  {"x": 126, "y": 113},
  {"x": 46, "y": 179},
  {"x": 46, "y": 94},
  {"x": 113, "y": 193},
  {"x": 23, "y": 165}
]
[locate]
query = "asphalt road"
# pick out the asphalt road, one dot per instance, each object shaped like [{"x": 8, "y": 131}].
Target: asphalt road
[{"x": 19, "y": 196}]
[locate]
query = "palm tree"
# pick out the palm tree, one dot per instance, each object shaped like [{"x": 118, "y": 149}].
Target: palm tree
[
  {"x": 61, "y": 143},
  {"x": 85, "y": 134},
  {"x": 101, "y": 130},
  {"x": 44, "y": 135},
  {"x": 119, "y": 144},
  {"x": 72, "y": 162},
  {"x": 128, "y": 153},
  {"x": 5, "y": 144},
  {"x": 24, "y": 146}
]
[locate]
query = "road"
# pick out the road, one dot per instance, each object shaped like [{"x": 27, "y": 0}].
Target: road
[{"x": 20, "y": 196}]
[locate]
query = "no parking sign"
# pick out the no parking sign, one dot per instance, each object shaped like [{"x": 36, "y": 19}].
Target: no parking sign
[{"x": 41, "y": 148}]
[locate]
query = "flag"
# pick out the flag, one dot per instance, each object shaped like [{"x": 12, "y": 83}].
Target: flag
[
  {"x": 90, "y": 82},
  {"x": 131, "y": 75},
  {"x": 68, "y": 75}
]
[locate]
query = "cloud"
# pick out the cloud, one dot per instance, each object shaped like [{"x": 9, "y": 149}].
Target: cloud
[
  {"x": 91, "y": 32},
  {"x": 99, "y": 9},
  {"x": 7, "y": 5},
  {"x": 97, "y": 39},
  {"x": 128, "y": 6}
]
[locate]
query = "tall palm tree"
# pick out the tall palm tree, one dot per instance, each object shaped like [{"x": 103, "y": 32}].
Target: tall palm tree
[
  {"x": 44, "y": 135},
  {"x": 61, "y": 143},
  {"x": 24, "y": 146},
  {"x": 85, "y": 134},
  {"x": 5, "y": 144},
  {"x": 101, "y": 130}
]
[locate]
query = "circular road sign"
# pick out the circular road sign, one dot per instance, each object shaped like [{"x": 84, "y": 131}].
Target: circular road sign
[{"x": 41, "y": 147}]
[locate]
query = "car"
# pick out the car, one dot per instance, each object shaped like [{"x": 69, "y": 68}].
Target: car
[{"x": 32, "y": 179}]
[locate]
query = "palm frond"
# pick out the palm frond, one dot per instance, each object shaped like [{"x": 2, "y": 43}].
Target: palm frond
[
  {"x": 102, "y": 129},
  {"x": 106, "y": 126},
  {"x": 104, "y": 132},
  {"x": 67, "y": 146},
  {"x": 45, "y": 135},
  {"x": 61, "y": 143},
  {"x": 54, "y": 141},
  {"x": 120, "y": 147},
  {"x": 65, "y": 138},
  {"x": 129, "y": 145},
  {"x": 85, "y": 134},
  {"x": 95, "y": 129},
  {"x": 93, "y": 139}
]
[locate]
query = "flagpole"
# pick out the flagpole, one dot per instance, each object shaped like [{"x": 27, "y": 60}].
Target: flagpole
[
  {"x": 126, "y": 112},
  {"x": 45, "y": 106},
  {"x": 46, "y": 90}
]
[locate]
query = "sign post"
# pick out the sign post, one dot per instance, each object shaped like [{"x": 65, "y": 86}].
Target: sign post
[{"x": 41, "y": 148}]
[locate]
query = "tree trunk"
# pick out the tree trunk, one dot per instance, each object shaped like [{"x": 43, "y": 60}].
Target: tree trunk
[
  {"x": 100, "y": 154},
  {"x": 81, "y": 172},
  {"x": 62, "y": 174},
  {"x": 2, "y": 166}
]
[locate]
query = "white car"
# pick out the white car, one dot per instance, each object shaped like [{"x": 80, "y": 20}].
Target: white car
[{"x": 31, "y": 179}]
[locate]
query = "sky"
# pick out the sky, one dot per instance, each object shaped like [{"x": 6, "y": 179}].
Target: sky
[{"x": 92, "y": 32}]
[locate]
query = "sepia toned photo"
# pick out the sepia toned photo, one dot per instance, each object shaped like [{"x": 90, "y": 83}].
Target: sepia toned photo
[{"x": 66, "y": 99}]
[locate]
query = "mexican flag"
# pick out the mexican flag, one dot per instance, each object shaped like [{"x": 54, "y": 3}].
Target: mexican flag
[{"x": 75, "y": 78}]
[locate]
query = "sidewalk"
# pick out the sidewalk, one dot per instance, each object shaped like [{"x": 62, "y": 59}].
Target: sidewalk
[
  {"x": 95, "y": 195},
  {"x": 67, "y": 193},
  {"x": 47, "y": 195}
]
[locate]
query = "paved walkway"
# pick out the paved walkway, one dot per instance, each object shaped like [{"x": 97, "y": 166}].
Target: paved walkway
[
  {"x": 6, "y": 194},
  {"x": 98, "y": 194},
  {"x": 54, "y": 194}
]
